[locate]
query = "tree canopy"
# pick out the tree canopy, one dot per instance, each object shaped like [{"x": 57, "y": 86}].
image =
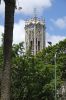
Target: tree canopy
[{"x": 33, "y": 77}]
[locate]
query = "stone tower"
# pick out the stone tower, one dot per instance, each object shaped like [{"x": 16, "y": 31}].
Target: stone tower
[{"x": 35, "y": 35}]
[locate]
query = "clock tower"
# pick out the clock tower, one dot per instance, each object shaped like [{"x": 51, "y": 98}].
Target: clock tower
[{"x": 35, "y": 35}]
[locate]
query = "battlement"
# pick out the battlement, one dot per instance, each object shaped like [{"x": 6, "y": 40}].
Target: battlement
[{"x": 35, "y": 21}]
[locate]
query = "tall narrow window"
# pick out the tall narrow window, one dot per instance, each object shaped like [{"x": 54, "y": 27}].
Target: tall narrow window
[
  {"x": 38, "y": 45},
  {"x": 36, "y": 41},
  {"x": 31, "y": 44}
]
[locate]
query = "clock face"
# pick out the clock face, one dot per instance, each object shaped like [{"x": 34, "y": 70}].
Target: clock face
[{"x": 31, "y": 26}]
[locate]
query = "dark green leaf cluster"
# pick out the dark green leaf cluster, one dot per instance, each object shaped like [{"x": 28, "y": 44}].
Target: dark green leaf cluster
[{"x": 33, "y": 77}]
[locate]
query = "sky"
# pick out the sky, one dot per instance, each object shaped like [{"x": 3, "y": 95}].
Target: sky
[{"x": 53, "y": 11}]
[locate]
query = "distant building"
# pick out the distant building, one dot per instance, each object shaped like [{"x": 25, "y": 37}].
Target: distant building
[{"x": 35, "y": 35}]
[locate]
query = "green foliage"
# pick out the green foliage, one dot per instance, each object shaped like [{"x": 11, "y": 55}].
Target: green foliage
[
  {"x": 33, "y": 77},
  {"x": 29, "y": 79}
]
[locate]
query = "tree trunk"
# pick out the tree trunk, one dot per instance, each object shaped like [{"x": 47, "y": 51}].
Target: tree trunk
[{"x": 7, "y": 49}]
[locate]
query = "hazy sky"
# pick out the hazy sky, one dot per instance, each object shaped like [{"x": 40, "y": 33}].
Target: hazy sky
[{"x": 54, "y": 12}]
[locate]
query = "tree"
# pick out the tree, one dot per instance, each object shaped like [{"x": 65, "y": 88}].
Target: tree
[
  {"x": 32, "y": 77},
  {"x": 7, "y": 48}
]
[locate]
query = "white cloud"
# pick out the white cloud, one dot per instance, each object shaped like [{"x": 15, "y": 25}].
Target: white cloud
[
  {"x": 60, "y": 22},
  {"x": 54, "y": 38},
  {"x": 2, "y": 7},
  {"x": 29, "y": 5},
  {"x": 19, "y": 32}
]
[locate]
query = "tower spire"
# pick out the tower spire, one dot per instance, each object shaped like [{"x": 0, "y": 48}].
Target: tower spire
[{"x": 35, "y": 14}]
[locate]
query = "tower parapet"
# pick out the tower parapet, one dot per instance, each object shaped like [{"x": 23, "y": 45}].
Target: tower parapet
[{"x": 34, "y": 21}]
